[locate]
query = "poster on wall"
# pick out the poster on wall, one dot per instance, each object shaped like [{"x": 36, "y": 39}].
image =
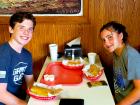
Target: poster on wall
[{"x": 43, "y": 7}]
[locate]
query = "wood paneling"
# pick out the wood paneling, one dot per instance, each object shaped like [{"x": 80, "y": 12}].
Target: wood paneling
[
  {"x": 4, "y": 33},
  {"x": 59, "y": 30}
]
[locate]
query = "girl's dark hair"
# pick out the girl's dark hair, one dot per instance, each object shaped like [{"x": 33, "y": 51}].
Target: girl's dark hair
[
  {"x": 20, "y": 16},
  {"x": 116, "y": 27}
]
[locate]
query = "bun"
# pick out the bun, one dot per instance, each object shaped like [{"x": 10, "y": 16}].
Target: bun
[
  {"x": 44, "y": 91},
  {"x": 40, "y": 91}
]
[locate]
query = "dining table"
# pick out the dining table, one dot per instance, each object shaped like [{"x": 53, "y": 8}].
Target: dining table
[{"x": 96, "y": 95}]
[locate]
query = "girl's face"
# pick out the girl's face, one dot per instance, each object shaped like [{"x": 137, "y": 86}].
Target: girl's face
[
  {"x": 22, "y": 32},
  {"x": 111, "y": 40}
]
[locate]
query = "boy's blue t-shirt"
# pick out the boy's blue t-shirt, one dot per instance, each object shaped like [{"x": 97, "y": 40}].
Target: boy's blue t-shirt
[{"x": 13, "y": 67}]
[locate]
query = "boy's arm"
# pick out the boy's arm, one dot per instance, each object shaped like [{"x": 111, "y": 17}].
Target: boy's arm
[
  {"x": 29, "y": 79},
  {"x": 8, "y": 98}
]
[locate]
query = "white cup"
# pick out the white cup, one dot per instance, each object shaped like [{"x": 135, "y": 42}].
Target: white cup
[
  {"x": 53, "y": 51},
  {"x": 92, "y": 57}
]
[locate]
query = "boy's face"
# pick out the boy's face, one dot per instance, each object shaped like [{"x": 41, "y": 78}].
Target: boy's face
[
  {"x": 22, "y": 32},
  {"x": 111, "y": 40}
]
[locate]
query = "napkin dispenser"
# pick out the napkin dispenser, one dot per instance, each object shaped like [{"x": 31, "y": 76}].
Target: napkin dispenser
[{"x": 75, "y": 49}]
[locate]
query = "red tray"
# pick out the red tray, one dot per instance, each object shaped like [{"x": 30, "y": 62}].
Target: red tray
[{"x": 62, "y": 75}]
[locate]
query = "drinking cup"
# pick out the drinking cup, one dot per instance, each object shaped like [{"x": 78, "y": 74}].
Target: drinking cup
[
  {"x": 53, "y": 51},
  {"x": 92, "y": 57}
]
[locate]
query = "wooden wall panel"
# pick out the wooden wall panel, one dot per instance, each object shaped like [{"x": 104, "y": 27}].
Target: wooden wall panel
[
  {"x": 98, "y": 12},
  {"x": 60, "y": 34},
  {"x": 4, "y": 33}
]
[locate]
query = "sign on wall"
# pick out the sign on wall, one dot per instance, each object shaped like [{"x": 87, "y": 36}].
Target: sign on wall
[{"x": 43, "y": 7}]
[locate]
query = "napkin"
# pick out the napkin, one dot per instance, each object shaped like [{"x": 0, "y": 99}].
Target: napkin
[{"x": 74, "y": 42}]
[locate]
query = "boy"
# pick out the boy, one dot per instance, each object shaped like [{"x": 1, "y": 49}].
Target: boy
[{"x": 15, "y": 60}]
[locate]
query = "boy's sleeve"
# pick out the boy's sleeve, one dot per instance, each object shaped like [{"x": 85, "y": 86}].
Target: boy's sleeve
[
  {"x": 3, "y": 71},
  {"x": 3, "y": 76}
]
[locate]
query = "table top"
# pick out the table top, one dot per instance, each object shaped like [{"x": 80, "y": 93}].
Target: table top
[{"x": 98, "y": 95}]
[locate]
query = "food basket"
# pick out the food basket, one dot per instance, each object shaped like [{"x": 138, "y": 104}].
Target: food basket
[
  {"x": 49, "y": 96},
  {"x": 93, "y": 72}
]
